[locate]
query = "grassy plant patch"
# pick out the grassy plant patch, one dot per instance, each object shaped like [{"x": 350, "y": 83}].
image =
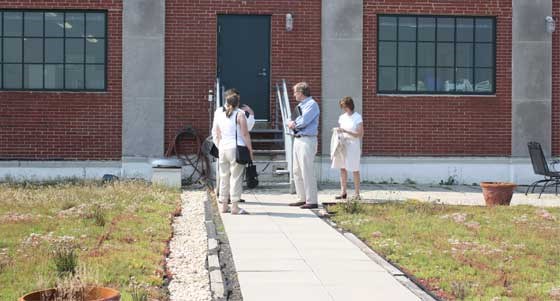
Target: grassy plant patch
[
  {"x": 119, "y": 231},
  {"x": 466, "y": 252}
]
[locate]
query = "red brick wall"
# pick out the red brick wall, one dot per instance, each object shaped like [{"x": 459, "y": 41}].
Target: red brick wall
[
  {"x": 66, "y": 125},
  {"x": 556, "y": 81},
  {"x": 442, "y": 125},
  {"x": 190, "y": 50}
]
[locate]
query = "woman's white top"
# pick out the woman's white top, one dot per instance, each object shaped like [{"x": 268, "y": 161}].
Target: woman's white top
[
  {"x": 228, "y": 128},
  {"x": 352, "y": 149},
  {"x": 350, "y": 123}
]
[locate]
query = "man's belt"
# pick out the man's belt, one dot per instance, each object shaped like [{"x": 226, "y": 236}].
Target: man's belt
[{"x": 299, "y": 136}]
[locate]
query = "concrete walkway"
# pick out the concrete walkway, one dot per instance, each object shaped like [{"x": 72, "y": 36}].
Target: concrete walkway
[{"x": 289, "y": 254}]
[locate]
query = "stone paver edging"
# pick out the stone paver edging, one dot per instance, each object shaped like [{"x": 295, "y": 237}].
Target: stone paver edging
[{"x": 217, "y": 283}]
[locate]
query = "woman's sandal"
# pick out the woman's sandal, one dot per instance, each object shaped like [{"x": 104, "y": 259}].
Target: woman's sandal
[
  {"x": 341, "y": 197},
  {"x": 241, "y": 212}
]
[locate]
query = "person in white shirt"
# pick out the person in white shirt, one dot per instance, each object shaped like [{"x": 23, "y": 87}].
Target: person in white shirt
[
  {"x": 249, "y": 114},
  {"x": 231, "y": 131},
  {"x": 352, "y": 130}
]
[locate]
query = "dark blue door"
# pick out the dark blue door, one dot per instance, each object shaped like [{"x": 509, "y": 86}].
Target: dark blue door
[{"x": 244, "y": 59}]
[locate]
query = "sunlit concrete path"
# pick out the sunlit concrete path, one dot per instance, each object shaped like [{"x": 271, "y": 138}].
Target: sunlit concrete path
[
  {"x": 289, "y": 254},
  {"x": 445, "y": 194}
]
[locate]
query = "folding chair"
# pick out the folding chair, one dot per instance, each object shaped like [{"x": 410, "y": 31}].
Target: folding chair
[{"x": 540, "y": 167}]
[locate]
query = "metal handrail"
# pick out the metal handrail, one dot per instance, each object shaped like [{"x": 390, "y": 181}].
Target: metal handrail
[
  {"x": 284, "y": 102},
  {"x": 217, "y": 102}
]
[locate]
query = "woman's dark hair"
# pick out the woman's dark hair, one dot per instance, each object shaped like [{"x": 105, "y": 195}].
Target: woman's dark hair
[
  {"x": 232, "y": 102},
  {"x": 347, "y": 102},
  {"x": 231, "y": 91}
]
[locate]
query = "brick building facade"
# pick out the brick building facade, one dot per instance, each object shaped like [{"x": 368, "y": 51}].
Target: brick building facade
[{"x": 162, "y": 59}]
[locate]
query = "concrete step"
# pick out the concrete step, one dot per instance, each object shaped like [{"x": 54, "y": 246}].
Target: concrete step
[
  {"x": 266, "y": 131},
  {"x": 280, "y": 161},
  {"x": 269, "y": 151},
  {"x": 267, "y": 141}
]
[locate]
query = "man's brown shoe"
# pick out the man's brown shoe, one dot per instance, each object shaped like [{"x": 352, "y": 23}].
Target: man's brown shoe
[
  {"x": 309, "y": 206},
  {"x": 297, "y": 204}
]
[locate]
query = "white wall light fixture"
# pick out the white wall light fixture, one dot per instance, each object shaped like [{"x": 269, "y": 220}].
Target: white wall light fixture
[
  {"x": 550, "y": 24},
  {"x": 289, "y": 22}
]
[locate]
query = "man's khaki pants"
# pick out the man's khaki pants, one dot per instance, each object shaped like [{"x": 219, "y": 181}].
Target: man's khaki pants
[
  {"x": 305, "y": 149},
  {"x": 231, "y": 176}
]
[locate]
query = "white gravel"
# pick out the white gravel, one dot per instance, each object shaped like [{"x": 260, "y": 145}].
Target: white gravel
[{"x": 187, "y": 260}]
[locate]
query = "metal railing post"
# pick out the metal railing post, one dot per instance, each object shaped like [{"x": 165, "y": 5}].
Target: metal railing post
[
  {"x": 217, "y": 104},
  {"x": 289, "y": 141},
  {"x": 284, "y": 103}
]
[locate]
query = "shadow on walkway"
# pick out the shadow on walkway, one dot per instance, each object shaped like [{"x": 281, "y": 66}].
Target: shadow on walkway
[{"x": 285, "y": 215}]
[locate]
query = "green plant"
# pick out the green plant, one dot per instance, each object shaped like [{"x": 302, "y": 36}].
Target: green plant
[
  {"x": 5, "y": 261},
  {"x": 67, "y": 205},
  {"x": 409, "y": 181},
  {"x": 450, "y": 181},
  {"x": 73, "y": 287},
  {"x": 352, "y": 206},
  {"x": 461, "y": 289},
  {"x": 65, "y": 258},
  {"x": 369, "y": 182},
  {"x": 98, "y": 215},
  {"x": 138, "y": 292}
]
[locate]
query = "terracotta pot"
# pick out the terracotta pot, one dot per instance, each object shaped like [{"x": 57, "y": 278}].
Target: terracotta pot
[
  {"x": 95, "y": 294},
  {"x": 497, "y": 193}
]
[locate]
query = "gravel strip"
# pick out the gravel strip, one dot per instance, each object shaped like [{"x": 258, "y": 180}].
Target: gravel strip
[{"x": 187, "y": 260}]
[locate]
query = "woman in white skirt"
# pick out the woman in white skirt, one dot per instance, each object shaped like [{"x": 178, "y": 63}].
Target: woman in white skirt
[
  {"x": 231, "y": 131},
  {"x": 351, "y": 128}
]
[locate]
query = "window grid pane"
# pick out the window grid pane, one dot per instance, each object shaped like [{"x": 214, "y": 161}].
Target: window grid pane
[
  {"x": 53, "y": 50},
  {"x": 436, "y": 54}
]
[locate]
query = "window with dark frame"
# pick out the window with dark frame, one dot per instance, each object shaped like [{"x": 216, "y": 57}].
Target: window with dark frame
[
  {"x": 53, "y": 50},
  {"x": 436, "y": 54}
]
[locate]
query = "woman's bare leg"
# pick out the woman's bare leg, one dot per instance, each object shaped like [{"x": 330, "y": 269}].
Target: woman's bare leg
[
  {"x": 343, "y": 181},
  {"x": 356, "y": 175}
]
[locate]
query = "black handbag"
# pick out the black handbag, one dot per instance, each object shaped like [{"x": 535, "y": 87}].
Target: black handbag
[
  {"x": 251, "y": 175},
  {"x": 242, "y": 155}
]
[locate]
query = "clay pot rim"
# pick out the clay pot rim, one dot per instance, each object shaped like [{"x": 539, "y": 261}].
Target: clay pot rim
[
  {"x": 114, "y": 292},
  {"x": 497, "y": 185}
]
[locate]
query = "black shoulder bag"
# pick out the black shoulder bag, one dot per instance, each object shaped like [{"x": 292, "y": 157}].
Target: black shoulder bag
[{"x": 242, "y": 155}]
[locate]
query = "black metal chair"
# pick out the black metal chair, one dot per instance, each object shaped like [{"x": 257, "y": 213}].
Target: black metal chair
[{"x": 540, "y": 167}]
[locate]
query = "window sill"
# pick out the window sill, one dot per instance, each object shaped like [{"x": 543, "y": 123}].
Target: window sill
[
  {"x": 437, "y": 95},
  {"x": 55, "y": 91}
]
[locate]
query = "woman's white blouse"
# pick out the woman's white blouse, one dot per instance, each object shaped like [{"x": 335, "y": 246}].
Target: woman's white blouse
[
  {"x": 227, "y": 128},
  {"x": 350, "y": 123}
]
